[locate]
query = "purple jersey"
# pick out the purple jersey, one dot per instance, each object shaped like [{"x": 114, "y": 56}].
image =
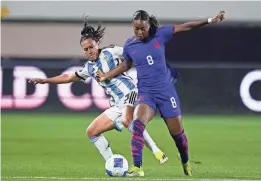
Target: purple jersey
[
  {"x": 149, "y": 59},
  {"x": 173, "y": 73}
]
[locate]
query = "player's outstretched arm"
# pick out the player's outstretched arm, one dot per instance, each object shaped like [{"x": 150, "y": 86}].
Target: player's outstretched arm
[
  {"x": 121, "y": 68},
  {"x": 196, "y": 24},
  {"x": 60, "y": 79}
]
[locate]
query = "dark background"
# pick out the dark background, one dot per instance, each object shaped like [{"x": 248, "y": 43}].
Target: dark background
[{"x": 202, "y": 90}]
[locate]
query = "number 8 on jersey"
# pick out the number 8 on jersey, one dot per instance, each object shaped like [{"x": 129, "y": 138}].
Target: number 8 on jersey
[{"x": 150, "y": 60}]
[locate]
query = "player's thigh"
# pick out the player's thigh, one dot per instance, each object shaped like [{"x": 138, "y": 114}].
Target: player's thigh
[
  {"x": 168, "y": 103},
  {"x": 100, "y": 125},
  {"x": 174, "y": 125},
  {"x": 115, "y": 114},
  {"x": 170, "y": 110},
  {"x": 128, "y": 104},
  {"x": 145, "y": 108},
  {"x": 144, "y": 113}
]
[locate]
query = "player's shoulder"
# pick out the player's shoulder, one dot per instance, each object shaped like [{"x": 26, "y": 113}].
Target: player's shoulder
[
  {"x": 84, "y": 67},
  {"x": 164, "y": 28},
  {"x": 111, "y": 49},
  {"x": 130, "y": 41},
  {"x": 86, "y": 64}
]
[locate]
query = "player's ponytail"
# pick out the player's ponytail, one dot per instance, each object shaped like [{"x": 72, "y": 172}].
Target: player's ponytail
[
  {"x": 154, "y": 24},
  {"x": 89, "y": 32},
  {"x": 143, "y": 15}
]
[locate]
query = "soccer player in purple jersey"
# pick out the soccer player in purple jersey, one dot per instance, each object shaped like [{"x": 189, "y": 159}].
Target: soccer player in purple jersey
[{"x": 146, "y": 50}]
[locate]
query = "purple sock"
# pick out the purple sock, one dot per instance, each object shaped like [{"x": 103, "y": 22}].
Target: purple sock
[
  {"x": 182, "y": 145},
  {"x": 137, "y": 142}
]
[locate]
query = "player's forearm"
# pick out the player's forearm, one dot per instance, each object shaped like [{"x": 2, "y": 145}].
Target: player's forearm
[
  {"x": 123, "y": 67},
  {"x": 61, "y": 79},
  {"x": 191, "y": 25},
  {"x": 195, "y": 24}
]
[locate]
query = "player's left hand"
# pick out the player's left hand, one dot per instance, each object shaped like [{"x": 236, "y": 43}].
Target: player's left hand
[
  {"x": 37, "y": 81},
  {"x": 219, "y": 17},
  {"x": 100, "y": 76}
]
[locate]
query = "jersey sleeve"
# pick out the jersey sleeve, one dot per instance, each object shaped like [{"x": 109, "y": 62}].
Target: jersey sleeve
[
  {"x": 83, "y": 73},
  {"x": 116, "y": 51},
  {"x": 119, "y": 54},
  {"x": 166, "y": 32},
  {"x": 116, "y": 54}
]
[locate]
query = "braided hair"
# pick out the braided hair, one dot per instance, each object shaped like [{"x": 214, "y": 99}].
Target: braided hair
[
  {"x": 89, "y": 32},
  {"x": 143, "y": 15}
]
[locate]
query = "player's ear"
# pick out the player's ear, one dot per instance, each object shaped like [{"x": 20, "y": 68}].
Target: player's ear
[{"x": 97, "y": 45}]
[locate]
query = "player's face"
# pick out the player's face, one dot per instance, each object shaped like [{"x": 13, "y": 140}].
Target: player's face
[
  {"x": 90, "y": 48},
  {"x": 141, "y": 29}
]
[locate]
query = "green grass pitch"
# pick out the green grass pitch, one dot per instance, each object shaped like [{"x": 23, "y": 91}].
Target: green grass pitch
[{"x": 48, "y": 147}]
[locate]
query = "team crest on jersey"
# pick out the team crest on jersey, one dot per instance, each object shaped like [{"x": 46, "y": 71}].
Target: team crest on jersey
[{"x": 156, "y": 44}]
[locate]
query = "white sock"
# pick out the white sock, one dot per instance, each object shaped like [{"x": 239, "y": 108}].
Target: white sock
[
  {"x": 147, "y": 140},
  {"x": 102, "y": 145}
]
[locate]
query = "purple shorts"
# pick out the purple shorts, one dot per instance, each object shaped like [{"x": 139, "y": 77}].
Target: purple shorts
[{"x": 166, "y": 100}]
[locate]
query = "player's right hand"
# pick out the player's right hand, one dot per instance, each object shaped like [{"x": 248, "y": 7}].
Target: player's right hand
[
  {"x": 100, "y": 76},
  {"x": 219, "y": 17},
  {"x": 37, "y": 81}
]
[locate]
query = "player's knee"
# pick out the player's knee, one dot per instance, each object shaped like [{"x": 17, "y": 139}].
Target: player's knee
[
  {"x": 90, "y": 132},
  {"x": 174, "y": 125},
  {"x": 143, "y": 113},
  {"x": 126, "y": 121},
  {"x": 175, "y": 131}
]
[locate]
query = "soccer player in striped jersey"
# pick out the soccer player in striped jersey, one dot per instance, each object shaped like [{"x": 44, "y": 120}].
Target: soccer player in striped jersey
[{"x": 121, "y": 88}]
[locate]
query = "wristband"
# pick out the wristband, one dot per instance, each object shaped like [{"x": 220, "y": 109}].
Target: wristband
[{"x": 209, "y": 20}]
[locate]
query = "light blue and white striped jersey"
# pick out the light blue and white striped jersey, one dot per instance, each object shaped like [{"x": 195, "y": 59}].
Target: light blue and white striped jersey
[{"x": 109, "y": 59}]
